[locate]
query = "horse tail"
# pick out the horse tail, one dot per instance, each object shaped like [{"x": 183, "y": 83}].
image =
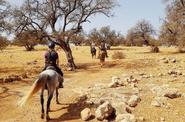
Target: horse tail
[{"x": 38, "y": 84}]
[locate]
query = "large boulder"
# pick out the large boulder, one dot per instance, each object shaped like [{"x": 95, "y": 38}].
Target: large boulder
[{"x": 104, "y": 111}]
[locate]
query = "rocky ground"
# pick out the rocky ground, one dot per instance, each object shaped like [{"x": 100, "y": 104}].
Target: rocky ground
[{"x": 142, "y": 87}]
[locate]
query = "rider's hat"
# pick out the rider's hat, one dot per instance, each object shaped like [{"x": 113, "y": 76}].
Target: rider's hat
[{"x": 51, "y": 45}]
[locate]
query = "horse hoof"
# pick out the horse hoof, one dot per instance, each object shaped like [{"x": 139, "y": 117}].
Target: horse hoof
[
  {"x": 47, "y": 117},
  {"x": 42, "y": 115}
]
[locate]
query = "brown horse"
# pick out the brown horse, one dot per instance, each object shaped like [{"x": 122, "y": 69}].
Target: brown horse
[
  {"x": 93, "y": 52},
  {"x": 102, "y": 54}
]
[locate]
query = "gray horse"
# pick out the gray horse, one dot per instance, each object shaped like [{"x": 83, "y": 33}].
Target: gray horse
[{"x": 50, "y": 79}]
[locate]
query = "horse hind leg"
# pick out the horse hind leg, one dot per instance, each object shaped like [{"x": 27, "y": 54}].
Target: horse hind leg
[
  {"x": 57, "y": 101},
  {"x": 48, "y": 105},
  {"x": 42, "y": 104}
]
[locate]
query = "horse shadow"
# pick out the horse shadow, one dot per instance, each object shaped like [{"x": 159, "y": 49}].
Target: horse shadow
[{"x": 73, "y": 111}]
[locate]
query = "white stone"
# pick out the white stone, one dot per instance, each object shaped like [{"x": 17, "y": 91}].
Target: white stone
[
  {"x": 171, "y": 93},
  {"x": 134, "y": 100},
  {"x": 86, "y": 114},
  {"x": 104, "y": 111},
  {"x": 159, "y": 102},
  {"x": 125, "y": 118}
]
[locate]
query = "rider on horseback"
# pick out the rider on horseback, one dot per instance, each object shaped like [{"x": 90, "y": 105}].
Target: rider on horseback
[
  {"x": 52, "y": 59},
  {"x": 93, "y": 49},
  {"x": 103, "y": 47}
]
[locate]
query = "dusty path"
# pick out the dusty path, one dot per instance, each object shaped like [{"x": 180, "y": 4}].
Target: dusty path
[{"x": 68, "y": 110}]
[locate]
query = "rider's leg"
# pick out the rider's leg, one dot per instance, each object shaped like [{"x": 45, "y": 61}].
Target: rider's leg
[
  {"x": 61, "y": 73},
  {"x": 106, "y": 53}
]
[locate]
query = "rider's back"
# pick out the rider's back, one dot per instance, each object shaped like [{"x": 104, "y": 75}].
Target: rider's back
[{"x": 51, "y": 57}]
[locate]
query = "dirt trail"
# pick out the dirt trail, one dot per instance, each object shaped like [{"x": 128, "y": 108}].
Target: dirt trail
[{"x": 70, "y": 107}]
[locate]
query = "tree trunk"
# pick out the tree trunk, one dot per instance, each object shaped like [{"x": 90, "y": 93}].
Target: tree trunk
[
  {"x": 65, "y": 46},
  {"x": 29, "y": 47}
]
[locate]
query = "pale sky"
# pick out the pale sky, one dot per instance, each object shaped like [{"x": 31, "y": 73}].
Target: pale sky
[{"x": 127, "y": 15}]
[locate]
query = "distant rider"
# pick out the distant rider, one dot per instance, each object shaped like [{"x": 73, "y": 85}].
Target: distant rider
[{"x": 103, "y": 48}]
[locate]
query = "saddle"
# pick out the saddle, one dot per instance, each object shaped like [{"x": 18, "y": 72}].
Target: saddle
[{"x": 51, "y": 67}]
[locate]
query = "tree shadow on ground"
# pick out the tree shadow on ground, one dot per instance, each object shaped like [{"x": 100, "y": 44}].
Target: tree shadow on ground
[{"x": 118, "y": 48}]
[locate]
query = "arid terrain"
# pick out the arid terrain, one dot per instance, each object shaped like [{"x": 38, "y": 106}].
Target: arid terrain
[{"x": 164, "y": 69}]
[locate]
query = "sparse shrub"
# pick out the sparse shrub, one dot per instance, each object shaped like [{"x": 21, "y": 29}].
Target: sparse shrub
[
  {"x": 118, "y": 55},
  {"x": 181, "y": 50}
]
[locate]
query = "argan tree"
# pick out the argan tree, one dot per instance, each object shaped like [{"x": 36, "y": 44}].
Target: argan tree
[
  {"x": 59, "y": 19},
  {"x": 111, "y": 37},
  {"x": 140, "y": 33},
  {"x": 4, "y": 14},
  {"x": 28, "y": 39},
  {"x": 173, "y": 29},
  {"x": 3, "y": 43}
]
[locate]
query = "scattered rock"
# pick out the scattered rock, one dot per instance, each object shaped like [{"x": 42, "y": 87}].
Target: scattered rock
[
  {"x": 11, "y": 78},
  {"x": 1, "y": 80},
  {"x": 125, "y": 118},
  {"x": 82, "y": 97},
  {"x": 116, "y": 82},
  {"x": 173, "y": 60},
  {"x": 141, "y": 74},
  {"x": 122, "y": 108},
  {"x": 159, "y": 102},
  {"x": 131, "y": 79},
  {"x": 145, "y": 76},
  {"x": 104, "y": 111},
  {"x": 134, "y": 100},
  {"x": 158, "y": 89},
  {"x": 165, "y": 91},
  {"x": 140, "y": 119},
  {"x": 171, "y": 93},
  {"x": 160, "y": 74},
  {"x": 24, "y": 75},
  {"x": 86, "y": 114},
  {"x": 162, "y": 119},
  {"x": 174, "y": 73},
  {"x": 166, "y": 61}
]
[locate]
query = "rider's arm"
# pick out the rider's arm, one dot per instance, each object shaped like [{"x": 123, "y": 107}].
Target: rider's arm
[{"x": 57, "y": 61}]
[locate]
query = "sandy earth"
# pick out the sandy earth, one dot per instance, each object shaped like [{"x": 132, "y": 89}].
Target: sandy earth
[{"x": 89, "y": 73}]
